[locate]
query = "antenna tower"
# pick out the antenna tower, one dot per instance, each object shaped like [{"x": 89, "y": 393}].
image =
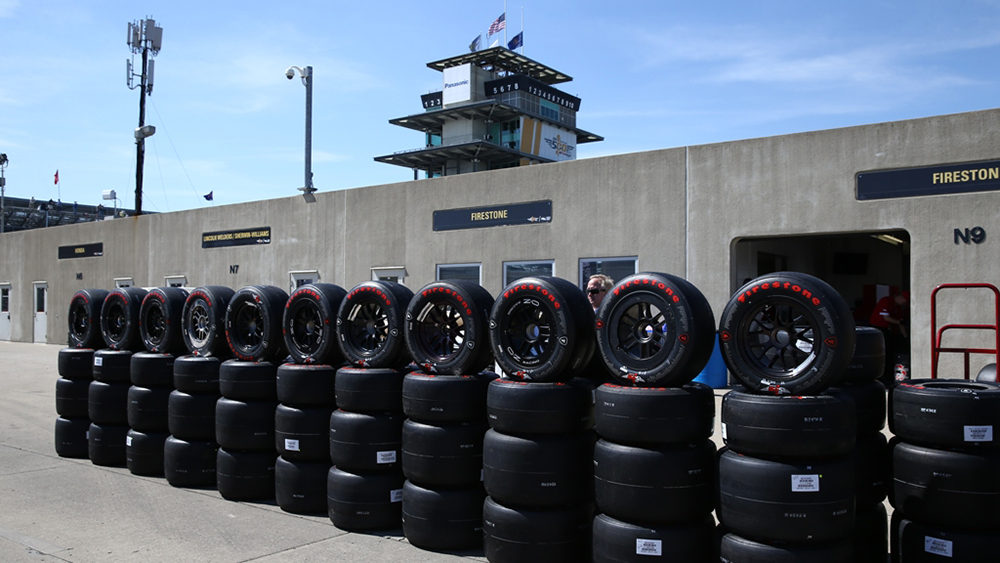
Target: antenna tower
[{"x": 144, "y": 37}]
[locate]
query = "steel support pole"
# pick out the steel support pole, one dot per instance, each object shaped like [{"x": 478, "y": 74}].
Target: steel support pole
[
  {"x": 140, "y": 143},
  {"x": 308, "y": 79}
]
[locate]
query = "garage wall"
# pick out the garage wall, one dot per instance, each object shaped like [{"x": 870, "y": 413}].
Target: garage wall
[
  {"x": 679, "y": 210},
  {"x": 346, "y": 233},
  {"x": 805, "y": 184}
]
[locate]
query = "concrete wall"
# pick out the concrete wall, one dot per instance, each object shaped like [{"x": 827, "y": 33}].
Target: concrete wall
[
  {"x": 679, "y": 210},
  {"x": 805, "y": 183}
]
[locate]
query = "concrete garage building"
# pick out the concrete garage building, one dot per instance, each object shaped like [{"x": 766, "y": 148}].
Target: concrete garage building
[{"x": 910, "y": 204}]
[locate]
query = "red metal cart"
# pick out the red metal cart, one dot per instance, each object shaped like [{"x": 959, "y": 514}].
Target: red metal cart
[{"x": 937, "y": 334}]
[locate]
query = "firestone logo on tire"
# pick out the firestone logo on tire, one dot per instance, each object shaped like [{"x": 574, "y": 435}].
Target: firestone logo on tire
[
  {"x": 532, "y": 287},
  {"x": 374, "y": 290},
  {"x": 779, "y": 285},
  {"x": 646, "y": 281}
]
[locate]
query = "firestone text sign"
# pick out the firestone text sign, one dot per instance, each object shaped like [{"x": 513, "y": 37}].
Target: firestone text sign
[
  {"x": 930, "y": 180},
  {"x": 530, "y": 213}
]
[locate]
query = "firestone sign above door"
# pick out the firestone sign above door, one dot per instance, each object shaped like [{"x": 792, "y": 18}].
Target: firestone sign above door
[{"x": 930, "y": 180}]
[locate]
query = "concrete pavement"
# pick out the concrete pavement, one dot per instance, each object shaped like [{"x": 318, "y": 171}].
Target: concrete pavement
[{"x": 58, "y": 509}]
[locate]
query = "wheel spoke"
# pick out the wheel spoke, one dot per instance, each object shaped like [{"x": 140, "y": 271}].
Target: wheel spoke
[{"x": 780, "y": 339}]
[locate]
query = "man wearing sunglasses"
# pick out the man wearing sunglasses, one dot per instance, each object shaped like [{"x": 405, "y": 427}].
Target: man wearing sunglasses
[{"x": 597, "y": 287}]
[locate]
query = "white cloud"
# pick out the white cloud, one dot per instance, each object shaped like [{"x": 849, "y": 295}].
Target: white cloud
[
  {"x": 326, "y": 156},
  {"x": 743, "y": 55}
]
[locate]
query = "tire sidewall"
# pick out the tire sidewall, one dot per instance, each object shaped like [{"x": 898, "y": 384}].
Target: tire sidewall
[
  {"x": 325, "y": 299},
  {"x": 689, "y": 322},
  {"x": 535, "y": 293},
  {"x": 833, "y": 327},
  {"x": 215, "y": 302},
  {"x": 471, "y": 357},
  {"x": 264, "y": 298},
  {"x": 130, "y": 301},
  {"x": 91, "y": 300},
  {"x": 389, "y": 353}
]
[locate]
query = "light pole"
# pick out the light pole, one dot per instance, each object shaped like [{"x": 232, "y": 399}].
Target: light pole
[
  {"x": 143, "y": 37},
  {"x": 307, "y": 75},
  {"x": 3, "y": 183}
]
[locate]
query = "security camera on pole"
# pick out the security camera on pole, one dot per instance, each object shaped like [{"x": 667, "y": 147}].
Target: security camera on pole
[
  {"x": 307, "y": 80},
  {"x": 143, "y": 37}
]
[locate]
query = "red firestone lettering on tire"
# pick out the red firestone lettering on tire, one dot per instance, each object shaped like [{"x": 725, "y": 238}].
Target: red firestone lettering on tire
[
  {"x": 203, "y": 296},
  {"x": 778, "y": 285},
  {"x": 543, "y": 291}
]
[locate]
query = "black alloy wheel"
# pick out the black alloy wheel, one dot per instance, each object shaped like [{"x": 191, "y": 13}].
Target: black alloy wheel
[
  {"x": 526, "y": 332},
  {"x": 248, "y": 327},
  {"x": 441, "y": 330},
  {"x": 642, "y": 328},
  {"x": 198, "y": 323},
  {"x": 367, "y": 327},
  {"x": 305, "y": 327},
  {"x": 155, "y": 324},
  {"x": 779, "y": 338},
  {"x": 79, "y": 321},
  {"x": 116, "y": 321}
]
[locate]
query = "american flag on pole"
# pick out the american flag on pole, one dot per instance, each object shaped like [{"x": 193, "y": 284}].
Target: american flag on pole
[
  {"x": 499, "y": 24},
  {"x": 57, "y": 178}
]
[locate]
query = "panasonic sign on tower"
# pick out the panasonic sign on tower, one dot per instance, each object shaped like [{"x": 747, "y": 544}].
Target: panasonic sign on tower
[{"x": 457, "y": 84}]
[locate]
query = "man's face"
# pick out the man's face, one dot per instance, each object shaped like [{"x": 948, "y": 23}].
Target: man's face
[{"x": 594, "y": 293}]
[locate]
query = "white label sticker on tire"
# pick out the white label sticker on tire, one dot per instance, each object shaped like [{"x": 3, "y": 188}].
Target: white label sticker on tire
[
  {"x": 648, "y": 547},
  {"x": 937, "y": 546},
  {"x": 128, "y": 441},
  {"x": 396, "y": 495},
  {"x": 386, "y": 457},
  {"x": 98, "y": 361},
  {"x": 724, "y": 436},
  {"x": 291, "y": 445},
  {"x": 805, "y": 483},
  {"x": 978, "y": 433}
]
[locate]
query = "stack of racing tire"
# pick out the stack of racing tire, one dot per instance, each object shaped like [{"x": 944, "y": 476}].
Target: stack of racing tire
[
  {"x": 244, "y": 414},
  {"x": 364, "y": 487},
  {"x": 307, "y": 398},
  {"x": 444, "y": 401},
  {"x": 654, "y": 466},
  {"x": 787, "y": 474},
  {"x": 108, "y": 396},
  {"x": 76, "y": 369},
  {"x": 152, "y": 375},
  {"x": 945, "y": 461},
  {"x": 189, "y": 453},
  {"x": 861, "y": 386},
  {"x": 538, "y": 453}
]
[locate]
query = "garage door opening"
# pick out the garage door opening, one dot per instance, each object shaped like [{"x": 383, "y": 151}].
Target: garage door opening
[{"x": 863, "y": 267}]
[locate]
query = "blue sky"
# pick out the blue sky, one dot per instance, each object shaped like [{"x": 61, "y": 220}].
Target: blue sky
[{"x": 651, "y": 75}]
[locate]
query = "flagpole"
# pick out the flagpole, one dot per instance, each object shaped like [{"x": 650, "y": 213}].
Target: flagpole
[
  {"x": 504, "y": 23},
  {"x": 522, "y": 30}
]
